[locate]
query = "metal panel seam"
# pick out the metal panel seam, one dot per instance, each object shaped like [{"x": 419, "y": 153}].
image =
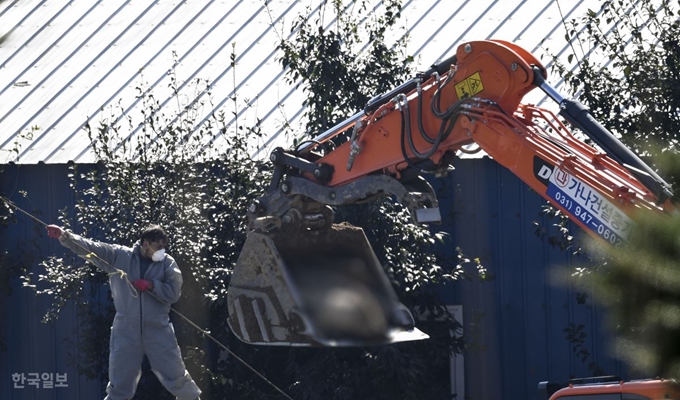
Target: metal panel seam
[
  {"x": 54, "y": 97},
  {"x": 2, "y": 118},
  {"x": 127, "y": 110},
  {"x": 68, "y": 138},
  {"x": 428, "y": 40},
  {"x": 455, "y": 43},
  {"x": 30, "y": 39},
  {"x": 243, "y": 82},
  {"x": 52, "y": 45}
]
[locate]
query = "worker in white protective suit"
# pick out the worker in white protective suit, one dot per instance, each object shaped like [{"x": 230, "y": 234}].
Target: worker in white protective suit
[{"x": 141, "y": 325}]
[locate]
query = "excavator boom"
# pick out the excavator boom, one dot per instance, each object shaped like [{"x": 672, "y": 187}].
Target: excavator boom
[{"x": 302, "y": 280}]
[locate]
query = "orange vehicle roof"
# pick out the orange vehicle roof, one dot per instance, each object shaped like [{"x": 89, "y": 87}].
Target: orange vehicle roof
[{"x": 655, "y": 389}]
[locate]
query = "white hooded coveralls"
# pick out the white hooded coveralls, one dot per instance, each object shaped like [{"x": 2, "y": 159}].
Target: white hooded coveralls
[{"x": 142, "y": 324}]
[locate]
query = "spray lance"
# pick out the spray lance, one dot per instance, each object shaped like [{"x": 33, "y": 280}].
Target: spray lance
[{"x": 55, "y": 231}]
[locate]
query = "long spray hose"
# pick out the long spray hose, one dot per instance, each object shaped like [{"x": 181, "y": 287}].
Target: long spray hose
[{"x": 123, "y": 275}]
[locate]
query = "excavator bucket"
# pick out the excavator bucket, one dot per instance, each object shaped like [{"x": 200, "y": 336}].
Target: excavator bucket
[{"x": 315, "y": 288}]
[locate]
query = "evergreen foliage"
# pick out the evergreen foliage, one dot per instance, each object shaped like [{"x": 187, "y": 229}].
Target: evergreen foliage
[{"x": 629, "y": 77}]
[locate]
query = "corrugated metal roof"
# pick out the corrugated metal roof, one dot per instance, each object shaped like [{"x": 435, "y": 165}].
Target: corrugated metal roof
[{"x": 64, "y": 63}]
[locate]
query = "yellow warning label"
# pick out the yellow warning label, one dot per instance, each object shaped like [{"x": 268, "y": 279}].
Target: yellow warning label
[{"x": 469, "y": 86}]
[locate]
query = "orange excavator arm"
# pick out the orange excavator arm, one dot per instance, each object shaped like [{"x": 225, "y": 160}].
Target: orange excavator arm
[{"x": 470, "y": 102}]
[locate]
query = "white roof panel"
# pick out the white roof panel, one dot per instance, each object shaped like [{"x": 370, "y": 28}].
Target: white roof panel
[{"x": 64, "y": 63}]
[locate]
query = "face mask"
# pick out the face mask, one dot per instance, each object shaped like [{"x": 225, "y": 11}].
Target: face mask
[{"x": 159, "y": 255}]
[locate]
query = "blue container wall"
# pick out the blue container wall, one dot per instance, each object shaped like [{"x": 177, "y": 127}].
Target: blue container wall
[
  {"x": 30, "y": 345},
  {"x": 514, "y": 322}
]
